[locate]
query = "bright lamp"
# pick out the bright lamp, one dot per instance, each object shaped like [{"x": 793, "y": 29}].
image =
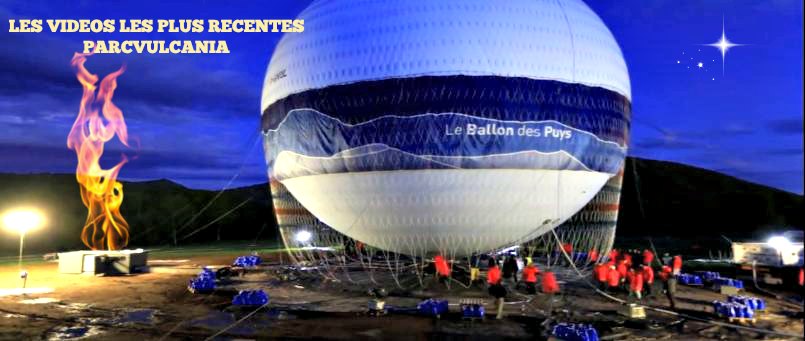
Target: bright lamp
[{"x": 23, "y": 220}]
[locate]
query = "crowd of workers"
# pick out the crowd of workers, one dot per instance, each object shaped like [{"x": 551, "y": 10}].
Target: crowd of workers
[
  {"x": 621, "y": 273},
  {"x": 628, "y": 271},
  {"x": 638, "y": 274}
]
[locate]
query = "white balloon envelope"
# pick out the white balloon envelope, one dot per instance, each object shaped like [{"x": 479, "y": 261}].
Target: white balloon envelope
[{"x": 455, "y": 126}]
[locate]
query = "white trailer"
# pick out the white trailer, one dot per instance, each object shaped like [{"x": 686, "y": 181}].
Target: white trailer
[
  {"x": 764, "y": 254},
  {"x": 775, "y": 261}
]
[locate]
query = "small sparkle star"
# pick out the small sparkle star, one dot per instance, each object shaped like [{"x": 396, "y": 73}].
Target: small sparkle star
[
  {"x": 700, "y": 65},
  {"x": 723, "y": 45},
  {"x": 677, "y": 62}
]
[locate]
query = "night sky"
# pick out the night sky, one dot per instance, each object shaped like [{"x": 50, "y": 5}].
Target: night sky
[{"x": 196, "y": 117}]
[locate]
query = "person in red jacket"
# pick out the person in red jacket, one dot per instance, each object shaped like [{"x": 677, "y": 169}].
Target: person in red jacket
[
  {"x": 613, "y": 255},
  {"x": 801, "y": 277},
  {"x": 648, "y": 277},
  {"x": 636, "y": 284},
  {"x": 613, "y": 278},
  {"x": 648, "y": 257},
  {"x": 593, "y": 256},
  {"x": 567, "y": 248},
  {"x": 549, "y": 283},
  {"x": 496, "y": 289},
  {"x": 665, "y": 272},
  {"x": 442, "y": 269},
  {"x": 601, "y": 271},
  {"x": 628, "y": 259},
  {"x": 530, "y": 273},
  {"x": 493, "y": 275},
  {"x": 622, "y": 271},
  {"x": 677, "y": 265}
]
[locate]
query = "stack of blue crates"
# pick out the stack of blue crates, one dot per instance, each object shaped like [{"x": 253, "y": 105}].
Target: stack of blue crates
[
  {"x": 247, "y": 261},
  {"x": 250, "y": 298},
  {"x": 719, "y": 282},
  {"x": 709, "y": 276},
  {"x": 204, "y": 282},
  {"x": 733, "y": 310},
  {"x": 688, "y": 279},
  {"x": 431, "y": 307},
  {"x": 472, "y": 311},
  {"x": 749, "y": 301},
  {"x": 574, "y": 332}
]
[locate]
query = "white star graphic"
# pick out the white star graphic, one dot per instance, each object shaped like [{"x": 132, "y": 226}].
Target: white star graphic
[
  {"x": 723, "y": 45},
  {"x": 700, "y": 65}
]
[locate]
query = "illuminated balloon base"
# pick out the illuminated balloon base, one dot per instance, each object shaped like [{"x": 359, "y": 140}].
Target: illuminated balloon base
[{"x": 455, "y": 212}]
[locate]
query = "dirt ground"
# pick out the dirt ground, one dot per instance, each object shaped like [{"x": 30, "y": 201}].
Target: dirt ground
[{"x": 158, "y": 306}]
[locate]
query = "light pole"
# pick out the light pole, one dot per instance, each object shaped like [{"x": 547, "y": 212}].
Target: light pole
[{"x": 21, "y": 221}]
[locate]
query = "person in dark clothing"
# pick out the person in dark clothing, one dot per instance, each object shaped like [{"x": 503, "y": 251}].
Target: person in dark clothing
[
  {"x": 510, "y": 269},
  {"x": 670, "y": 291},
  {"x": 669, "y": 285},
  {"x": 491, "y": 262}
]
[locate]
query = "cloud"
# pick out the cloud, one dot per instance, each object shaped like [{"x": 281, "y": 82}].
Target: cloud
[
  {"x": 787, "y": 152},
  {"x": 664, "y": 143},
  {"x": 788, "y": 126},
  {"x": 672, "y": 139}
]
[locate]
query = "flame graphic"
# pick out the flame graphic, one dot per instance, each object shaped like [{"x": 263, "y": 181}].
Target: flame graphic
[{"x": 101, "y": 193}]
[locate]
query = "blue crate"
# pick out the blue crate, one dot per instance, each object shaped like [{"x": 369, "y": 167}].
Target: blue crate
[
  {"x": 203, "y": 283},
  {"x": 431, "y": 307},
  {"x": 472, "y": 311},
  {"x": 574, "y": 332},
  {"x": 247, "y": 261},
  {"x": 250, "y": 298},
  {"x": 730, "y": 282},
  {"x": 751, "y": 302},
  {"x": 733, "y": 310},
  {"x": 708, "y": 276},
  {"x": 688, "y": 279},
  {"x": 206, "y": 273}
]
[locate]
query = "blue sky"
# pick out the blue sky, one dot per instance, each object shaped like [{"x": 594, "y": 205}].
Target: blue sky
[{"x": 196, "y": 117}]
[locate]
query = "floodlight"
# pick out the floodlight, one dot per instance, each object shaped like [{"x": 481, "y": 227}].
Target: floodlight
[
  {"x": 778, "y": 242},
  {"x": 303, "y": 236}
]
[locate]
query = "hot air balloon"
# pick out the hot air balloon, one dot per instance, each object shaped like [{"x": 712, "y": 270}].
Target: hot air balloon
[{"x": 458, "y": 126}]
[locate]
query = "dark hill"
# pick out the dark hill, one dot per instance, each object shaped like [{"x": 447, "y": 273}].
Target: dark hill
[
  {"x": 155, "y": 211},
  {"x": 666, "y": 198},
  {"x": 659, "y": 199}
]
